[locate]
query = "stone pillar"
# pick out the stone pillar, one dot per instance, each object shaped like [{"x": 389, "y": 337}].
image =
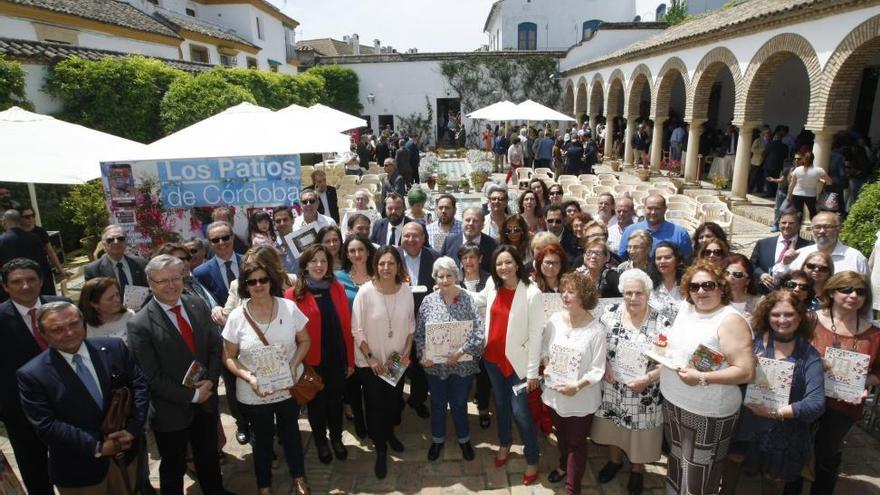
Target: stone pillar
[
  {"x": 657, "y": 144},
  {"x": 609, "y": 137},
  {"x": 742, "y": 162},
  {"x": 627, "y": 141},
  {"x": 593, "y": 126},
  {"x": 692, "y": 162},
  {"x": 822, "y": 146}
]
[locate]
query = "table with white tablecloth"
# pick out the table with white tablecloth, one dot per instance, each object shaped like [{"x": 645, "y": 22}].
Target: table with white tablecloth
[{"x": 722, "y": 166}]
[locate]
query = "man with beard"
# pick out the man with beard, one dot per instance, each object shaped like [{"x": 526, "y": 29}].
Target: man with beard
[
  {"x": 389, "y": 230},
  {"x": 446, "y": 224}
]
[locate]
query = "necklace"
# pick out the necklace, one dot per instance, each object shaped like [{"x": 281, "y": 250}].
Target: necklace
[
  {"x": 836, "y": 341},
  {"x": 389, "y": 314}
]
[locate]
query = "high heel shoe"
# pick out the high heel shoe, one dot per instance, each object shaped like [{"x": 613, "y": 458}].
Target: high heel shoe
[
  {"x": 500, "y": 462},
  {"x": 530, "y": 479},
  {"x": 300, "y": 487}
]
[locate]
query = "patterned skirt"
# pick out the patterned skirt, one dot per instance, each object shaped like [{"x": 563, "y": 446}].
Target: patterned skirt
[{"x": 698, "y": 446}]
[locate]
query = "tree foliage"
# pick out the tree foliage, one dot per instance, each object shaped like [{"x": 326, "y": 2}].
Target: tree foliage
[
  {"x": 116, "y": 95},
  {"x": 863, "y": 222},
  {"x": 677, "y": 13},
  {"x": 417, "y": 124},
  {"x": 86, "y": 207},
  {"x": 12, "y": 85},
  {"x": 191, "y": 99},
  {"x": 341, "y": 88}
]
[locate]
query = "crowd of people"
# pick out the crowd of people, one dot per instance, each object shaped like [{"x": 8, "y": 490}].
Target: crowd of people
[{"x": 557, "y": 306}]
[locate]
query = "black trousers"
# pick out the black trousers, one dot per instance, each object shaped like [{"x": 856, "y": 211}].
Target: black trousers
[
  {"x": 31, "y": 455},
  {"x": 482, "y": 389},
  {"x": 325, "y": 410},
  {"x": 202, "y": 435},
  {"x": 354, "y": 397},
  {"x": 234, "y": 409},
  {"x": 383, "y": 406},
  {"x": 418, "y": 382}
]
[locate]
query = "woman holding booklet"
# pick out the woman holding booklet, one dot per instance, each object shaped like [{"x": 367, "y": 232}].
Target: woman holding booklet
[
  {"x": 449, "y": 339},
  {"x": 708, "y": 353},
  {"x": 573, "y": 354},
  {"x": 382, "y": 323},
  {"x": 850, "y": 345},
  {"x": 630, "y": 418},
  {"x": 773, "y": 436},
  {"x": 270, "y": 330}
]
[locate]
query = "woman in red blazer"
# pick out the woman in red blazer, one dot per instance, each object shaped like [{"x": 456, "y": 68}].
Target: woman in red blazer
[{"x": 322, "y": 299}]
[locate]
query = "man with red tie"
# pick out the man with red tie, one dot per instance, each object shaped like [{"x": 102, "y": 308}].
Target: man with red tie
[
  {"x": 168, "y": 335},
  {"x": 22, "y": 341}
]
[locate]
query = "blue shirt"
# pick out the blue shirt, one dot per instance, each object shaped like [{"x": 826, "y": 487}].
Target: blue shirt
[
  {"x": 545, "y": 149},
  {"x": 668, "y": 231}
]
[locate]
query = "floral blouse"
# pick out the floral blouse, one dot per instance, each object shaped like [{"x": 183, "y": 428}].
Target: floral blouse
[
  {"x": 435, "y": 310},
  {"x": 619, "y": 404},
  {"x": 666, "y": 302}
]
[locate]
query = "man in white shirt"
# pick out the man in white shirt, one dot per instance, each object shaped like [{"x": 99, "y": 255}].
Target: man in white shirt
[
  {"x": 826, "y": 232},
  {"x": 446, "y": 224},
  {"x": 626, "y": 215},
  {"x": 498, "y": 197},
  {"x": 310, "y": 216},
  {"x": 606, "y": 209}
]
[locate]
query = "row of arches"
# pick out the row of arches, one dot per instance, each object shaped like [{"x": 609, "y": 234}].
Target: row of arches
[{"x": 821, "y": 99}]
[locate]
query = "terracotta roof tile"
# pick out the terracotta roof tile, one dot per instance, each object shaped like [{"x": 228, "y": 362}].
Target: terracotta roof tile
[{"x": 107, "y": 11}]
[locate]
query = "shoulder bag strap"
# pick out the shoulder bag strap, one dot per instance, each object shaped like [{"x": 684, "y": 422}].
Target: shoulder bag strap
[{"x": 255, "y": 326}]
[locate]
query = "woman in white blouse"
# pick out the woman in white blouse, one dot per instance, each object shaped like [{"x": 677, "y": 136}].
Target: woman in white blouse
[
  {"x": 382, "y": 323},
  {"x": 666, "y": 270},
  {"x": 573, "y": 355},
  {"x": 102, "y": 309}
]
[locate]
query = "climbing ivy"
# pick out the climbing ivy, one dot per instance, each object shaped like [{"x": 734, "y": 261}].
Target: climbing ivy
[
  {"x": 481, "y": 80},
  {"x": 416, "y": 124}
]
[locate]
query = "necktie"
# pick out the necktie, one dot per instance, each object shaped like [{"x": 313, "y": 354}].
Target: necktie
[
  {"x": 36, "y": 331},
  {"x": 786, "y": 243},
  {"x": 393, "y": 240},
  {"x": 186, "y": 331},
  {"x": 88, "y": 380},
  {"x": 230, "y": 276},
  {"x": 123, "y": 278}
]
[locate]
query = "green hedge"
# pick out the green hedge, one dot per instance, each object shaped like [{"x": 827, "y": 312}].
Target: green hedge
[
  {"x": 12, "y": 85},
  {"x": 191, "y": 99},
  {"x": 863, "y": 222},
  {"x": 341, "y": 88}
]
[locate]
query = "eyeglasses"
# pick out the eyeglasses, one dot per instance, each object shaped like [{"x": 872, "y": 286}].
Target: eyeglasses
[
  {"x": 737, "y": 274},
  {"x": 167, "y": 281},
  {"x": 816, "y": 268},
  {"x": 860, "y": 291},
  {"x": 114, "y": 240},
  {"x": 253, "y": 282},
  {"x": 553, "y": 221},
  {"x": 513, "y": 230},
  {"x": 713, "y": 252},
  {"x": 309, "y": 201},
  {"x": 634, "y": 294},
  {"x": 550, "y": 264},
  {"x": 222, "y": 238},
  {"x": 496, "y": 199},
  {"x": 707, "y": 286},
  {"x": 590, "y": 254},
  {"x": 791, "y": 284},
  {"x": 821, "y": 228}
]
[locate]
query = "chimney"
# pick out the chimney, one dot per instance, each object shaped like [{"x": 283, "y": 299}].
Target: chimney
[
  {"x": 377, "y": 46},
  {"x": 346, "y": 39},
  {"x": 355, "y": 44}
]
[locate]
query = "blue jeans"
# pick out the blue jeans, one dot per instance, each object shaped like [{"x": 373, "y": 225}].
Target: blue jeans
[
  {"x": 780, "y": 206},
  {"x": 452, "y": 390},
  {"x": 507, "y": 403}
]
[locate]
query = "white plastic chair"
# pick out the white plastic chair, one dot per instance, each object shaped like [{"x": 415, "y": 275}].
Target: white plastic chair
[
  {"x": 718, "y": 213},
  {"x": 589, "y": 179},
  {"x": 545, "y": 170}
]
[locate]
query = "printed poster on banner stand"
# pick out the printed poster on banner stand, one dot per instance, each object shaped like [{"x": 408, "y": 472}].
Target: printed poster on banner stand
[{"x": 158, "y": 201}]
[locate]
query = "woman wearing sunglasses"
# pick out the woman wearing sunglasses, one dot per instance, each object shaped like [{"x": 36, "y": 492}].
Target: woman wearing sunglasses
[
  {"x": 706, "y": 232},
  {"x": 264, "y": 313},
  {"x": 516, "y": 234},
  {"x": 819, "y": 267},
  {"x": 555, "y": 193},
  {"x": 596, "y": 256},
  {"x": 843, "y": 323},
  {"x": 322, "y": 299},
  {"x": 799, "y": 284},
  {"x": 743, "y": 292},
  {"x": 715, "y": 251},
  {"x": 701, "y": 407}
]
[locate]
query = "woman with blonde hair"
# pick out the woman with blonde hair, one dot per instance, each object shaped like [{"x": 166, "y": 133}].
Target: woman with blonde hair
[{"x": 638, "y": 247}]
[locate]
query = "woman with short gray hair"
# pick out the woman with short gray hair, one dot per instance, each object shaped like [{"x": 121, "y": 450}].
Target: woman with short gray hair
[{"x": 450, "y": 382}]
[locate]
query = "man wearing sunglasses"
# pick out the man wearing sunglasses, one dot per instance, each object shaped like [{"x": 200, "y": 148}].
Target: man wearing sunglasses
[
  {"x": 217, "y": 273},
  {"x": 127, "y": 269},
  {"x": 771, "y": 250},
  {"x": 310, "y": 216},
  {"x": 826, "y": 232}
]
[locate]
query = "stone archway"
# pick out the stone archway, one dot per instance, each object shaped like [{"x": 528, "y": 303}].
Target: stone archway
[
  {"x": 580, "y": 99},
  {"x": 597, "y": 95},
  {"x": 639, "y": 81},
  {"x": 568, "y": 98},
  {"x": 672, "y": 72},
  {"x": 614, "y": 108},
  {"x": 710, "y": 67}
]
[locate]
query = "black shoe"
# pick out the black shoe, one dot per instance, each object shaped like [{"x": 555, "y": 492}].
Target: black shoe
[
  {"x": 339, "y": 449},
  {"x": 485, "y": 421},
  {"x": 434, "y": 451},
  {"x": 608, "y": 471},
  {"x": 395, "y": 443},
  {"x": 634, "y": 487},
  {"x": 324, "y": 454},
  {"x": 421, "y": 410},
  {"x": 243, "y": 435},
  {"x": 556, "y": 476},
  {"x": 381, "y": 467},
  {"x": 467, "y": 451}
]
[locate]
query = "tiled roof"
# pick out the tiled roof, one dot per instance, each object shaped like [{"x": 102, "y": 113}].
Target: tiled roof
[
  {"x": 330, "y": 47},
  {"x": 736, "y": 14},
  {"x": 202, "y": 27},
  {"x": 52, "y": 52},
  {"x": 107, "y": 11}
]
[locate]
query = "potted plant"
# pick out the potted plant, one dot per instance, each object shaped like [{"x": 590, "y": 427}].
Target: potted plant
[
  {"x": 720, "y": 183},
  {"x": 442, "y": 183},
  {"x": 480, "y": 173},
  {"x": 87, "y": 209},
  {"x": 644, "y": 173},
  {"x": 464, "y": 185},
  {"x": 428, "y": 168}
]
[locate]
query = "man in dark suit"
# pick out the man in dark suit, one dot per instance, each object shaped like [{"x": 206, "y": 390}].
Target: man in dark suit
[
  {"x": 387, "y": 231},
  {"x": 775, "y": 155},
  {"x": 18, "y": 243},
  {"x": 393, "y": 183},
  {"x": 218, "y": 272},
  {"x": 21, "y": 342},
  {"x": 168, "y": 335},
  {"x": 419, "y": 260},
  {"x": 769, "y": 251},
  {"x": 401, "y": 158},
  {"x": 472, "y": 231},
  {"x": 327, "y": 201},
  {"x": 412, "y": 146},
  {"x": 115, "y": 263},
  {"x": 66, "y": 392}
]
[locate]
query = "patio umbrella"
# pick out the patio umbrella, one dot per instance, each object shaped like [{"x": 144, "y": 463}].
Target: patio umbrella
[
  {"x": 247, "y": 130},
  {"x": 503, "y": 110},
  {"x": 40, "y": 149},
  {"x": 341, "y": 120},
  {"x": 530, "y": 110}
]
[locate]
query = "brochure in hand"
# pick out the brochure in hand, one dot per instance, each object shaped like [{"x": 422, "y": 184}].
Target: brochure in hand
[
  {"x": 195, "y": 373},
  {"x": 394, "y": 371}
]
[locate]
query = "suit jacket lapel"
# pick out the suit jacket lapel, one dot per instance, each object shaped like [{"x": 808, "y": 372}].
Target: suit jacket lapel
[
  {"x": 66, "y": 374},
  {"x": 107, "y": 268},
  {"x": 101, "y": 362},
  {"x": 163, "y": 321}
]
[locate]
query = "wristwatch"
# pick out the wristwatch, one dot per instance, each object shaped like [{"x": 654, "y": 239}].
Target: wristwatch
[
  {"x": 98, "y": 449},
  {"x": 703, "y": 381}
]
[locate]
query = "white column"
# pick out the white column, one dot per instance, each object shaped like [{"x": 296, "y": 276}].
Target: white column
[
  {"x": 657, "y": 144},
  {"x": 593, "y": 127},
  {"x": 627, "y": 141},
  {"x": 742, "y": 162},
  {"x": 822, "y": 146},
  {"x": 691, "y": 164},
  {"x": 609, "y": 137}
]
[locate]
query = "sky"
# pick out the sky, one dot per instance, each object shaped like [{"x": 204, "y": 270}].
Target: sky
[{"x": 429, "y": 25}]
